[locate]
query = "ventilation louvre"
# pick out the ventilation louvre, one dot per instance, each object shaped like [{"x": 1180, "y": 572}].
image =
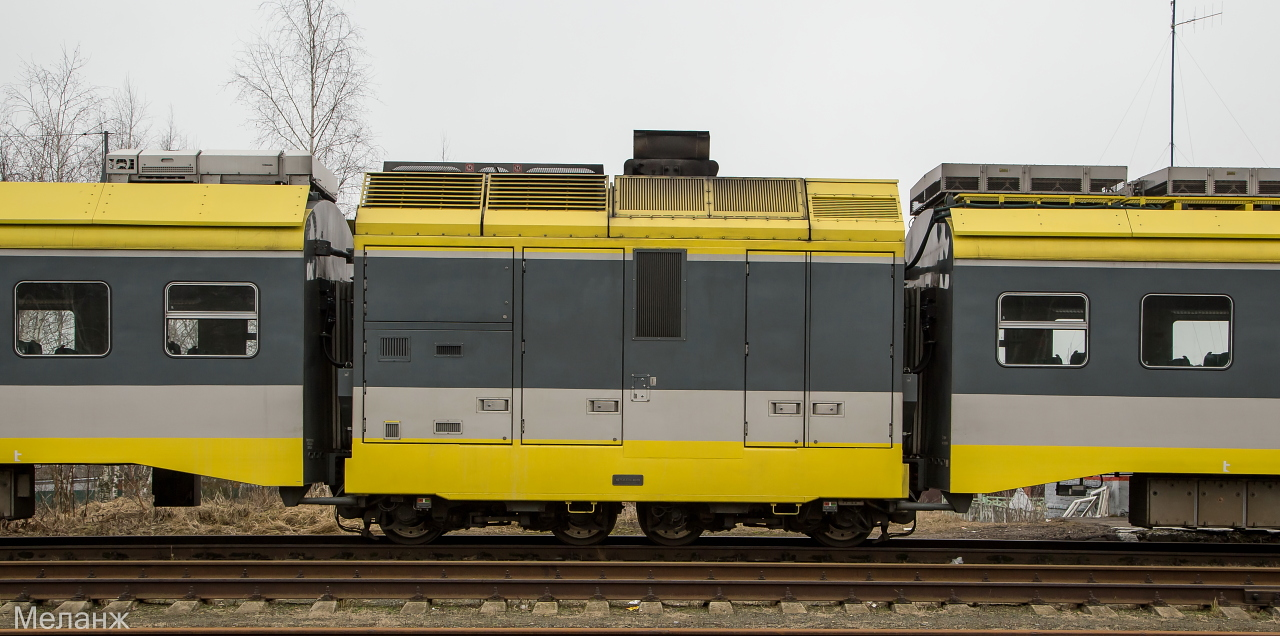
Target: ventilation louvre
[
  {"x": 1269, "y": 187},
  {"x": 840, "y": 206},
  {"x": 449, "y": 428},
  {"x": 1102, "y": 185},
  {"x": 1047, "y": 184},
  {"x": 449, "y": 350},
  {"x": 659, "y": 297},
  {"x": 426, "y": 190},
  {"x": 1004, "y": 184},
  {"x": 1188, "y": 186},
  {"x": 756, "y": 197},
  {"x": 547, "y": 191},
  {"x": 958, "y": 183},
  {"x": 655, "y": 195},
  {"x": 393, "y": 348},
  {"x": 1223, "y": 187},
  {"x": 392, "y": 430}
]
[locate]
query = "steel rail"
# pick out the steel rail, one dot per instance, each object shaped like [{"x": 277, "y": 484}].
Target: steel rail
[
  {"x": 646, "y": 631},
  {"x": 625, "y": 548},
  {"x": 896, "y": 583}
]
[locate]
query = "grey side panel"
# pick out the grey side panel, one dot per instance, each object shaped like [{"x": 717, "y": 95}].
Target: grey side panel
[
  {"x": 439, "y": 286},
  {"x": 137, "y": 355},
  {"x": 1091, "y": 420},
  {"x": 1115, "y": 300},
  {"x": 484, "y": 361},
  {"x": 572, "y": 316},
  {"x": 851, "y": 331},
  {"x": 428, "y": 414},
  {"x": 692, "y": 376},
  {"x": 777, "y": 344},
  {"x": 152, "y": 411}
]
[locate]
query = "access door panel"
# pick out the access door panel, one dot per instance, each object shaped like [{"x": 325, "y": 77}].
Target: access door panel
[
  {"x": 850, "y": 379},
  {"x": 439, "y": 285},
  {"x": 775, "y": 348},
  {"x": 573, "y": 337}
]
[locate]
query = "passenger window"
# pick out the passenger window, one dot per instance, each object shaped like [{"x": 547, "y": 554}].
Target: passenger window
[
  {"x": 1186, "y": 331},
  {"x": 659, "y": 293},
  {"x": 62, "y": 319},
  {"x": 211, "y": 319},
  {"x": 1038, "y": 330}
]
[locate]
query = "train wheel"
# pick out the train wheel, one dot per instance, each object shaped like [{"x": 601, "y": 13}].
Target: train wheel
[
  {"x": 585, "y": 529},
  {"x": 667, "y": 525},
  {"x": 844, "y": 529},
  {"x": 407, "y": 526}
]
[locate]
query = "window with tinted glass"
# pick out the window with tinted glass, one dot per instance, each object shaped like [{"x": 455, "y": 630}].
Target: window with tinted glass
[
  {"x": 1043, "y": 330},
  {"x": 62, "y": 318},
  {"x": 211, "y": 319},
  {"x": 1186, "y": 331}
]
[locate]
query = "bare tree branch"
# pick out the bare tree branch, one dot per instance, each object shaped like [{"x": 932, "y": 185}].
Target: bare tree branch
[
  {"x": 46, "y": 114},
  {"x": 305, "y": 84}
]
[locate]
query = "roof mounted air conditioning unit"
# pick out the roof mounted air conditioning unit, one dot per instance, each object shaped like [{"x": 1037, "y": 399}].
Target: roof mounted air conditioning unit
[{"x": 268, "y": 167}]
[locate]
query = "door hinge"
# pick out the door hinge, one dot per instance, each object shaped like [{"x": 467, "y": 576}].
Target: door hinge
[
  {"x": 746, "y": 428},
  {"x": 746, "y": 349},
  {"x": 521, "y": 346},
  {"x": 748, "y": 268},
  {"x": 522, "y": 266},
  {"x": 365, "y": 345},
  {"x": 522, "y": 426}
]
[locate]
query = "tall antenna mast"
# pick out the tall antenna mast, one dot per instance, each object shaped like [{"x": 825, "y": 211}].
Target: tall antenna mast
[{"x": 1173, "y": 57}]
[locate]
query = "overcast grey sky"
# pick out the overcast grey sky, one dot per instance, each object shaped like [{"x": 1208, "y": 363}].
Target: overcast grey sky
[{"x": 816, "y": 89}]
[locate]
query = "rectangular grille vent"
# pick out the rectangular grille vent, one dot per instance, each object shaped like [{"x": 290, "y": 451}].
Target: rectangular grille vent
[
  {"x": 1101, "y": 185},
  {"x": 427, "y": 190},
  {"x": 1269, "y": 187},
  {"x": 839, "y": 206},
  {"x": 168, "y": 169},
  {"x": 756, "y": 197},
  {"x": 449, "y": 350},
  {"x": 958, "y": 183},
  {"x": 1045, "y": 184},
  {"x": 393, "y": 348},
  {"x": 448, "y": 428},
  {"x": 1004, "y": 184},
  {"x": 662, "y": 194},
  {"x": 1188, "y": 186},
  {"x": 659, "y": 297},
  {"x": 551, "y": 191},
  {"x": 392, "y": 430},
  {"x": 1223, "y": 187}
]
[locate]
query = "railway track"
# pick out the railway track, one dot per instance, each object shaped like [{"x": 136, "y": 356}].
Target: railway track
[
  {"x": 658, "y": 581},
  {"x": 627, "y": 548}
]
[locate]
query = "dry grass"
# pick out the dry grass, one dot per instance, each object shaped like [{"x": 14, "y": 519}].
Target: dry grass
[{"x": 255, "y": 511}]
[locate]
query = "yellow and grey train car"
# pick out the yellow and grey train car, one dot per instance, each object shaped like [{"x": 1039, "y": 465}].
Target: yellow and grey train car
[
  {"x": 179, "y": 316},
  {"x": 1062, "y": 322},
  {"x": 539, "y": 343}
]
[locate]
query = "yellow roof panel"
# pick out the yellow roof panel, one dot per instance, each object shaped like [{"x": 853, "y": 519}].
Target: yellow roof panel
[
  {"x": 48, "y": 203},
  {"x": 202, "y": 204}
]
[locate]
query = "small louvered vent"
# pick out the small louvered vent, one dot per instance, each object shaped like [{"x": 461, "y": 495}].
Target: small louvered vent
[
  {"x": 1224, "y": 187},
  {"x": 658, "y": 195},
  {"x": 659, "y": 297},
  {"x": 393, "y": 348},
  {"x": 1188, "y": 186},
  {"x": 1158, "y": 190},
  {"x": 1045, "y": 184},
  {"x": 449, "y": 350},
  {"x": 517, "y": 191},
  {"x": 757, "y": 197},
  {"x": 427, "y": 190},
  {"x": 449, "y": 428},
  {"x": 961, "y": 183},
  {"x": 168, "y": 169},
  {"x": 392, "y": 430},
  {"x": 1269, "y": 187},
  {"x": 1102, "y": 185},
  {"x": 1003, "y": 184},
  {"x": 840, "y": 206}
]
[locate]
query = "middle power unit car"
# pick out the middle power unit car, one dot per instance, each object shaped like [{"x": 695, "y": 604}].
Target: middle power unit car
[{"x": 538, "y": 344}]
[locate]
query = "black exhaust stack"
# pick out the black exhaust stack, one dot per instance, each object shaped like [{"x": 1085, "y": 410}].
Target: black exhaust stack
[{"x": 672, "y": 153}]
